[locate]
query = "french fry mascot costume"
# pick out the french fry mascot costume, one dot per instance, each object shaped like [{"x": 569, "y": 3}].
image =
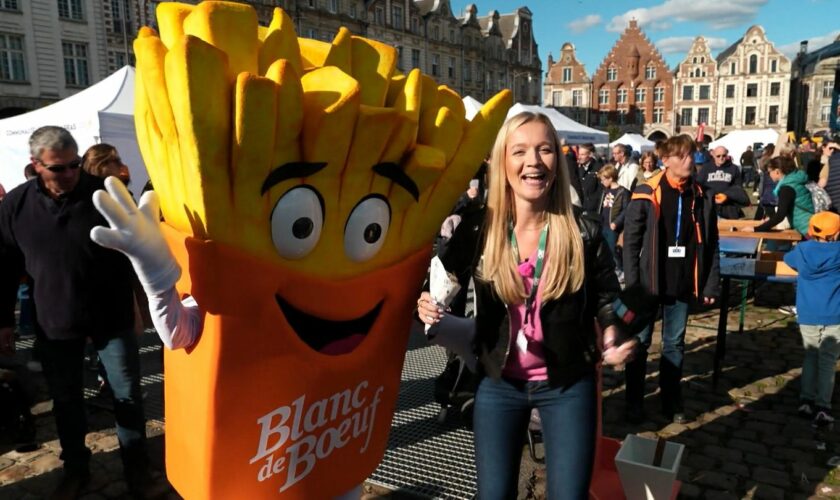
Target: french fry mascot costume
[{"x": 301, "y": 183}]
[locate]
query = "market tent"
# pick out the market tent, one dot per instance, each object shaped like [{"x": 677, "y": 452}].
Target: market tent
[
  {"x": 568, "y": 129},
  {"x": 635, "y": 141},
  {"x": 102, "y": 113},
  {"x": 737, "y": 141},
  {"x": 472, "y": 106}
]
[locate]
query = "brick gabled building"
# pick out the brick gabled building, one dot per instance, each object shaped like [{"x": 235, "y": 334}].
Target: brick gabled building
[{"x": 633, "y": 88}]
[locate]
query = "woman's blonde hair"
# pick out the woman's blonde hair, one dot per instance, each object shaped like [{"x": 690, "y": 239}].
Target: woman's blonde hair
[{"x": 564, "y": 267}]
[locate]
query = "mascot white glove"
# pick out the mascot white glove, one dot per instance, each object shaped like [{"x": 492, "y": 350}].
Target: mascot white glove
[{"x": 135, "y": 231}]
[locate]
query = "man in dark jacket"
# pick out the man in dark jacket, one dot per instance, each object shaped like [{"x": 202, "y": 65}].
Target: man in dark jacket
[
  {"x": 722, "y": 180},
  {"x": 832, "y": 185},
  {"x": 587, "y": 173},
  {"x": 748, "y": 168},
  {"x": 670, "y": 249}
]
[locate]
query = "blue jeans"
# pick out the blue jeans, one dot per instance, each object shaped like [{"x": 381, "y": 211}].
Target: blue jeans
[
  {"x": 674, "y": 320},
  {"x": 611, "y": 238},
  {"x": 63, "y": 362},
  {"x": 501, "y": 417},
  {"x": 822, "y": 348}
]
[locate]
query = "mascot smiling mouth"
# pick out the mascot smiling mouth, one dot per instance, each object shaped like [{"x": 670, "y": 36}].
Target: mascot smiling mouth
[{"x": 325, "y": 336}]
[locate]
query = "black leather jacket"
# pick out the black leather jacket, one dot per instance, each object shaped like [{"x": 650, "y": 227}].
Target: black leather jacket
[{"x": 568, "y": 323}]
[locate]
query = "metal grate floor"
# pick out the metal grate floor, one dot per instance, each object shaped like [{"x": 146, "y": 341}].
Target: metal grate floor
[{"x": 426, "y": 457}]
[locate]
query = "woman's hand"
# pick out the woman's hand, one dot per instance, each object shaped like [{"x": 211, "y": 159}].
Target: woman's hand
[
  {"x": 429, "y": 312},
  {"x": 619, "y": 355}
]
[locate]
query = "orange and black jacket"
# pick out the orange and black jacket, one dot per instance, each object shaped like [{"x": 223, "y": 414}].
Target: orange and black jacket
[{"x": 642, "y": 262}]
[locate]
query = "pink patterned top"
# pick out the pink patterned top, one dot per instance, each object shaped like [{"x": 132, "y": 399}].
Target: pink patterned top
[{"x": 527, "y": 363}]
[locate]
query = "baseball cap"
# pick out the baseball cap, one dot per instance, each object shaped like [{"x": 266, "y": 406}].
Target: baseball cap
[{"x": 824, "y": 225}]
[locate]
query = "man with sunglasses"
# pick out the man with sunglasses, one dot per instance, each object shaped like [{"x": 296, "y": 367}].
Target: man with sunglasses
[
  {"x": 722, "y": 179},
  {"x": 83, "y": 292}
]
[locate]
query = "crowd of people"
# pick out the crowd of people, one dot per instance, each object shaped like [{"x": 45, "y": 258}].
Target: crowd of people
[{"x": 561, "y": 234}]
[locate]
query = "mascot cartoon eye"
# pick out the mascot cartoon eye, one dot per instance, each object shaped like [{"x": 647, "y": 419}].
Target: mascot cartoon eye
[
  {"x": 367, "y": 228},
  {"x": 296, "y": 222}
]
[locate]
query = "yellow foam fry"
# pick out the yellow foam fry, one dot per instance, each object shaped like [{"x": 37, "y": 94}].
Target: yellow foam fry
[
  {"x": 289, "y": 119},
  {"x": 449, "y": 129},
  {"x": 449, "y": 98},
  {"x": 373, "y": 63},
  {"x": 429, "y": 106},
  {"x": 313, "y": 53},
  {"x": 255, "y": 106},
  {"x": 231, "y": 27},
  {"x": 151, "y": 53},
  {"x": 424, "y": 167},
  {"x": 196, "y": 72},
  {"x": 340, "y": 51},
  {"x": 281, "y": 42},
  {"x": 170, "y": 18},
  {"x": 374, "y": 126},
  {"x": 149, "y": 139},
  {"x": 395, "y": 88},
  {"x": 407, "y": 102},
  {"x": 262, "y": 32}
]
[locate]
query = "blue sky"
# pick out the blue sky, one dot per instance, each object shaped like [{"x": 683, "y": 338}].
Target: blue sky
[{"x": 593, "y": 26}]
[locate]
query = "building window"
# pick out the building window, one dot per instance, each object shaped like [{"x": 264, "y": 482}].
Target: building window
[
  {"x": 400, "y": 57},
  {"x": 604, "y": 96},
  {"x": 622, "y": 116},
  {"x": 415, "y": 25},
  {"x": 641, "y": 95},
  {"x": 828, "y": 87},
  {"x": 688, "y": 92},
  {"x": 379, "y": 16},
  {"x": 622, "y": 96},
  {"x": 12, "y": 58},
  {"x": 686, "y": 116},
  {"x": 640, "y": 116},
  {"x": 9, "y": 5},
  {"x": 397, "y": 17},
  {"x": 659, "y": 94},
  {"x": 502, "y": 81},
  {"x": 451, "y": 36},
  {"x": 705, "y": 92},
  {"x": 557, "y": 98},
  {"x": 70, "y": 9},
  {"x": 775, "y": 88},
  {"x": 650, "y": 72},
  {"x": 752, "y": 90},
  {"x": 435, "y": 65},
  {"x": 612, "y": 74},
  {"x": 753, "y": 64},
  {"x": 749, "y": 115},
  {"x": 121, "y": 14},
  {"x": 353, "y": 10},
  {"x": 658, "y": 115},
  {"x": 451, "y": 68},
  {"x": 773, "y": 115},
  {"x": 567, "y": 75},
  {"x": 703, "y": 116},
  {"x": 415, "y": 58},
  {"x": 577, "y": 98},
  {"x": 75, "y": 64},
  {"x": 332, "y": 6},
  {"x": 468, "y": 71},
  {"x": 773, "y": 65},
  {"x": 602, "y": 119},
  {"x": 730, "y": 91},
  {"x": 825, "y": 114},
  {"x": 435, "y": 33},
  {"x": 732, "y": 68},
  {"x": 728, "y": 116}
]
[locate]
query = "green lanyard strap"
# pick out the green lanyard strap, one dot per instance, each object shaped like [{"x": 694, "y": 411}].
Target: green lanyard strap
[{"x": 538, "y": 267}]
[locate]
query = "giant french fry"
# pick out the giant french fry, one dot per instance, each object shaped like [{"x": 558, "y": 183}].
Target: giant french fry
[{"x": 301, "y": 183}]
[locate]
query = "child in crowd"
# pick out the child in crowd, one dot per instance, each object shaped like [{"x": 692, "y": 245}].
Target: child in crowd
[
  {"x": 818, "y": 306},
  {"x": 614, "y": 199}
]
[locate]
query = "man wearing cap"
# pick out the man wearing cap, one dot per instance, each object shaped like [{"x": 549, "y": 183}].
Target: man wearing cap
[
  {"x": 817, "y": 262},
  {"x": 832, "y": 185},
  {"x": 84, "y": 292}
]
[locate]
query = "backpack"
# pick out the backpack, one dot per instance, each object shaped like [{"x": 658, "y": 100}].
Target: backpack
[{"x": 819, "y": 197}]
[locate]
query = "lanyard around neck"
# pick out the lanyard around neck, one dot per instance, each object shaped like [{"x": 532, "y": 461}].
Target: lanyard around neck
[{"x": 538, "y": 267}]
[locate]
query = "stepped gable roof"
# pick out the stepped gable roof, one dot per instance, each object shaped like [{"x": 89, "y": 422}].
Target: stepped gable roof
[{"x": 655, "y": 55}]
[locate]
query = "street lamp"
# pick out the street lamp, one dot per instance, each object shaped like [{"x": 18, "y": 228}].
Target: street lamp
[{"x": 517, "y": 74}]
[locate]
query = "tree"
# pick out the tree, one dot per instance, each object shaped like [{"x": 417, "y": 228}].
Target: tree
[{"x": 614, "y": 132}]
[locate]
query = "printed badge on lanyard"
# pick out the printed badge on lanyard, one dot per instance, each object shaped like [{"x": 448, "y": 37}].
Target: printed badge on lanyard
[{"x": 677, "y": 251}]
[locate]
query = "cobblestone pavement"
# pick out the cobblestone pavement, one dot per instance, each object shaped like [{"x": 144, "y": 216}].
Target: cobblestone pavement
[{"x": 744, "y": 439}]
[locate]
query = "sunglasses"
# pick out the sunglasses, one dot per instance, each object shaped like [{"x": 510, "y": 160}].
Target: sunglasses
[
  {"x": 719, "y": 156},
  {"x": 58, "y": 168}
]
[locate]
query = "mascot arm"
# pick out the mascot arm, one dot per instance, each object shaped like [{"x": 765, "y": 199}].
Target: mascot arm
[{"x": 177, "y": 323}]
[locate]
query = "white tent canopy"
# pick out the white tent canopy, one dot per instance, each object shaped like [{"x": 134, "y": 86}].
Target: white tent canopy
[
  {"x": 737, "y": 141},
  {"x": 635, "y": 141},
  {"x": 568, "y": 129},
  {"x": 102, "y": 113},
  {"x": 472, "y": 106}
]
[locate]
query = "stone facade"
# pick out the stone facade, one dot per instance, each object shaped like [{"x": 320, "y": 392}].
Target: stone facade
[
  {"x": 633, "y": 88},
  {"x": 52, "y": 49},
  {"x": 696, "y": 91},
  {"x": 753, "y": 85},
  {"x": 814, "y": 77},
  {"x": 567, "y": 86}
]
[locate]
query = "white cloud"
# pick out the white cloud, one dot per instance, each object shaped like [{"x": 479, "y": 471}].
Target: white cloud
[
  {"x": 791, "y": 49},
  {"x": 717, "y": 15},
  {"x": 681, "y": 44},
  {"x": 584, "y": 23}
]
